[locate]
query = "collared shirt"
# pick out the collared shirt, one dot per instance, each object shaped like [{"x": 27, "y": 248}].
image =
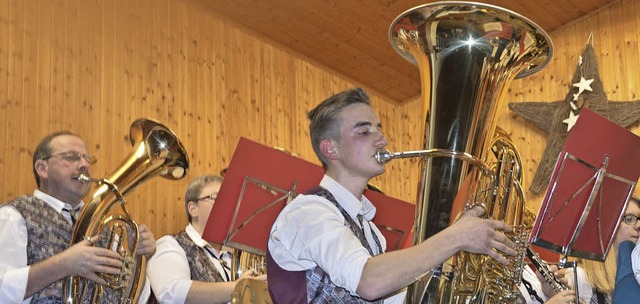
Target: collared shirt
[
  {"x": 530, "y": 276},
  {"x": 14, "y": 271},
  {"x": 173, "y": 286},
  {"x": 635, "y": 261},
  {"x": 584, "y": 288},
  {"x": 311, "y": 232}
]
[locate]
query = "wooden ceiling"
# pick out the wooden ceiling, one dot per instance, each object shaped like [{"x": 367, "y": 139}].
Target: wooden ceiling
[{"x": 351, "y": 36}]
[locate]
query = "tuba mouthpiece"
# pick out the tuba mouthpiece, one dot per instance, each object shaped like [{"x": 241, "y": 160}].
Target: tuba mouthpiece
[{"x": 383, "y": 156}]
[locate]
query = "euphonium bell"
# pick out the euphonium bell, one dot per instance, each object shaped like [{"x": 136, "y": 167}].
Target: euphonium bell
[
  {"x": 467, "y": 53},
  {"x": 157, "y": 151}
]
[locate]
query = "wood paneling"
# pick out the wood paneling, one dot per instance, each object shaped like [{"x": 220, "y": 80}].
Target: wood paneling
[
  {"x": 92, "y": 67},
  {"x": 351, "y": 36},
  {"x": 616, "y": 44}
]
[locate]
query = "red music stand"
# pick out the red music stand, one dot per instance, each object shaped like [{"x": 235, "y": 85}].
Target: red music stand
[
  {"x": 261, "y": 180},
  {"x": 592, "y": 182}
]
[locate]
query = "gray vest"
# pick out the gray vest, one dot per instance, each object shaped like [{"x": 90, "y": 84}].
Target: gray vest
[
  {"x": 200, "y": 266},
  {"x": 285, "y": 286},
  {"x": 48, "y": 234}
]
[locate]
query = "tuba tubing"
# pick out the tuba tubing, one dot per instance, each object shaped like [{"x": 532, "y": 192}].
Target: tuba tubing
[
  {"x": 467, "y": 54},
  {"x": 157, "y": 152}
]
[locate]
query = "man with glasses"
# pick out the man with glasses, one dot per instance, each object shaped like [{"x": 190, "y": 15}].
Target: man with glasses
[
  {"x": 200, "y": 271},
  {"x": 36, "y": 230}
]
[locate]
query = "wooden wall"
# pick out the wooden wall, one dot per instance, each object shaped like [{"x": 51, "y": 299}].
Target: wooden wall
[
  {"x": 616, "y": 45},
  {"x": 93, "y": 67}
]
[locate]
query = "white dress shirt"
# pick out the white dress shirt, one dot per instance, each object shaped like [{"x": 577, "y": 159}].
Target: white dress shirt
[
  {"x": 168, "y": 269},
  {"x": 635, "y": 261},
  {"x": 584, "y": 288},
  {"x": 14, "y": 271},
  {"x": 311, "y": 232},
  {"x": 530, "y": 276}
]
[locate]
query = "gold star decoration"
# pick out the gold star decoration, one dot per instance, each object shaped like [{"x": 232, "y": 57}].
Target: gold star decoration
[{"x": 556, "y": 118}]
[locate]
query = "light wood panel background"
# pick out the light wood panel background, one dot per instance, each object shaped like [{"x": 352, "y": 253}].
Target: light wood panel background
[{"x": 93, "y": 67}]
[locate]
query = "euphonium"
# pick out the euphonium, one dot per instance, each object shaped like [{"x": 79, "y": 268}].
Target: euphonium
[
  {"x": 157, "y": 151},
  {"x": 467, "y": 54},
  {"x": 249, "y": 290}
]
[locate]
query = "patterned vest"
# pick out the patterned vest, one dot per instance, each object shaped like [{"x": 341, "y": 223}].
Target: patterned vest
[
  {"x": 49, "y": 233},
  {"x": 601, "y": 298},
  {"x": 314, "y": 285},
  {"x": 200, "y": 266}
]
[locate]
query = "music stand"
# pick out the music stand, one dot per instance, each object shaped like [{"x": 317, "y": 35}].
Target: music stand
[
  {"x": 261, "y": 180},
  {"x": 592, "y": 182}
]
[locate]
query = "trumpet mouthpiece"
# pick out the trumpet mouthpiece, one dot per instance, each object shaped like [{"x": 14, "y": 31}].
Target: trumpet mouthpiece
[{"x": 383, "y": 156}]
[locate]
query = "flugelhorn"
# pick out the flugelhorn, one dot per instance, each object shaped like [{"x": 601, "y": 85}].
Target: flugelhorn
[
  {"x": 157, "y": 151},
  {"x": 467, "y": 54}
]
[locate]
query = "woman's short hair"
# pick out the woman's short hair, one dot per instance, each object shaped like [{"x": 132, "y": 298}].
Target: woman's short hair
[{"x": 195, "y": 188}]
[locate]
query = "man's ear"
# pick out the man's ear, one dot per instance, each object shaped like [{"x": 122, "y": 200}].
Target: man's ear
[
  {"x": 327, "y": 147},
  {"x": 41, "y": 168}
]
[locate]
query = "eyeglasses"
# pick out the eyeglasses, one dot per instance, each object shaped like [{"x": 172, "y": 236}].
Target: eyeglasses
[
  {"x": 74, "y": 157},
  {"x": 630, "y": 219},
  {"x": 212, "y": 197}
]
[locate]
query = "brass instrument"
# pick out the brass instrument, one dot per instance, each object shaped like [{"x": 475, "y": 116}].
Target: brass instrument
[
  {"x": 246, "y": 260},
  {"x": 467, "y": 54},
  {"x": 157, "y": 151},
  {"x": 249, "y": 290}
]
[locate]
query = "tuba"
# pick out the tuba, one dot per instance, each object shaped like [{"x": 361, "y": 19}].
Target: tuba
[
  {"x": 156, "y": 151},
  {"x": 467, "y": 54}
]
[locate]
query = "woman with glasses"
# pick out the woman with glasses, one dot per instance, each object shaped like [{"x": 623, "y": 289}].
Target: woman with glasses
[
  {"x": 186, "y": 268},
  {"x": 597, "y": 279}
]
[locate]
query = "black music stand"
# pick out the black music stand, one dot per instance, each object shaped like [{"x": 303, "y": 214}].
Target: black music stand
[{"x": 592, "y": 182}]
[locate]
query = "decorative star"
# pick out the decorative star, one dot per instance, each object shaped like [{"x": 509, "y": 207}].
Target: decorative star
[
  {"x": 571, "y": 120},
  {"x": 583, "y": 85},
  {"x": 573, "y": 106},
  {"x": 550, "y": 116},
  {"x": 575, "y": 96}
]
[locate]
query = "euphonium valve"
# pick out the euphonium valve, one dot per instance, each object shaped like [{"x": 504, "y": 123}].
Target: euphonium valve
[{"x": 106, "y": 222}]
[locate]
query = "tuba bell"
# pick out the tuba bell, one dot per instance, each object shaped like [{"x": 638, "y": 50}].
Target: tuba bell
[
  {"x": 467, "y": 53},
  {"x": 156, "y": 151}
]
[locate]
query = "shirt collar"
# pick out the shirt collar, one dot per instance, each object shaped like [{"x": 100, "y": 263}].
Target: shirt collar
[
  {"x": 195, "y": 236},
  {"x": 347, "y": 200},
  {"x": 202, "y": 243},
  {"x": 55, "y": 203}
]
